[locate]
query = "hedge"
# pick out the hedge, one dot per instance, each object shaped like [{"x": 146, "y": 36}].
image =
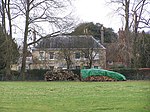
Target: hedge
[
  {"x": 33, "y": 75},
  {"x": 38, "y": 74},
  {"x": 134, "y": 74}
]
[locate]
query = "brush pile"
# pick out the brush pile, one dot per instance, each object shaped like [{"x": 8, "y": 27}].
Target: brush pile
[
  {"x": 61, "y": 75},
  {"x": 99, "y": 78}
]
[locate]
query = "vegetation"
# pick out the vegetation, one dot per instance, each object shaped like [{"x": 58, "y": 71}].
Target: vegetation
[
  {"x": 32, "y": 21},
  {"x": 135, "y": 50},
  {"x": 95, "y": 30},
  {"x": 3, "y": 51},
  {"x": 5, "y": 40},
  {"x": 75, "y": 96},
  {"x": 133, "y": 13},
  {"x": 143, "y": 50}
]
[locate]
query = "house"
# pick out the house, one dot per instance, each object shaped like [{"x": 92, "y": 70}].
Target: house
[{"x": 67, "y": 51}]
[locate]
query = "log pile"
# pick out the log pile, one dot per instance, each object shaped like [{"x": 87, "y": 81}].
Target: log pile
[
  {"x": 61, "y": 75},
  {"x": 99, "y": 78}
]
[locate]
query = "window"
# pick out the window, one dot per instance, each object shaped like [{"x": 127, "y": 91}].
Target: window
[
  {"x": 77, "y": 55},
  {"x": 51, "y": 55},
  {"x": 41, "y": 57}
]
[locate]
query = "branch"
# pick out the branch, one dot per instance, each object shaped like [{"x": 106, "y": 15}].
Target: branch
[
  {"x": 142, "y": 6},
  {"x": 50, "y": 35},
  {"x": 146, "y": 22},
  {"x": 117, "y": 1},
  {"x": 40, "y": 17},
  {"x": 31, "y": 2},
  {"x": 141, "y": 27},
  {"x": 136, "y": 7},
  {"x": 37, "y": 4},
  {"x": 19, "y": 8}
]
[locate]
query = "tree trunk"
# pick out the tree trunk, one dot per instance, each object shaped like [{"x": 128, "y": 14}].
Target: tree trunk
[
  {"x": 127, "y": 5},
  {"x": 25, "y": 46},
  {"x": 127, "y": 35},
  {"x": 137, "y": 18},
  {"x": 9, "y": 49},
  {"x": 68, "y": 60}
]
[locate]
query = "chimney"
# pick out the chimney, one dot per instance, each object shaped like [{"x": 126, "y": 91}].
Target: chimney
[{"x": 102, "y": 34}]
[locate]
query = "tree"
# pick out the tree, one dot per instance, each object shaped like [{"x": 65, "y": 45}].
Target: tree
[
  {"x": 6, "y": 16},
  {"x": 138, "y": 12},
  {"x": 66, "y": 53},
  {"x": 2, "y": 49},
  {"x": 143, "y": 48},
  {"x": 35, "y": 13},
  {"x": 90, "y": 54},
  {"x": 134, "y": 14},
  {"x": 95, "y": 31},
  {"x": 91, "y": 51},
  {"x": 109, "y": 35},
  {"x": 3, "y": 52}
]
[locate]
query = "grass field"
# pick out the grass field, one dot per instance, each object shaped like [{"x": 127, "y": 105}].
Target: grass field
[{"x": 129, "y": 96}]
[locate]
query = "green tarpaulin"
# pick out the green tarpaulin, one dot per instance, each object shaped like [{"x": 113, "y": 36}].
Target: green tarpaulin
[{"x": 101, "y": 72}]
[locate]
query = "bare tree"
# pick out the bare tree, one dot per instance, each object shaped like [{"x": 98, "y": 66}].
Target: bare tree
[
  {"x": 67, "y": 55},
  {"x": 90, "y": 54},
  {"x": 90, "y": 50},
  {"x": 35, "y": 15},
  {"x": 135, "y": 17},
  {"x": 131, "y": 11}
]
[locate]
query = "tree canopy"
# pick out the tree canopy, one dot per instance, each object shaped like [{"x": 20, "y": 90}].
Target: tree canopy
[
  {"x": 90, "y": 28},
  {"x": 3, "y": 49},
  {"x": 135, "y": 16},
  {"x": 143, "y": 54}
]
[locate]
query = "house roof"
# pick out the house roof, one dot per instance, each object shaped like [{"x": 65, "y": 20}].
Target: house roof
[{"x": 67, "y": 41}]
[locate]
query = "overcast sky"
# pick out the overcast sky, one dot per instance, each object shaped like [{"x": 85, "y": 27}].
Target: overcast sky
[{"x": 98, "y": 12}]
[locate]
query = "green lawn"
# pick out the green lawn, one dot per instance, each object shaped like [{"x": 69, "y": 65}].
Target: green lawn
[{"x": 129, "y": 96}]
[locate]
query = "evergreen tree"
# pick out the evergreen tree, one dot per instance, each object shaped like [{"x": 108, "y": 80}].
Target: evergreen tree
[
  {"x": 144, "y": 50},
  {"x": 3, "y": 50},
  {"x": 94, "y": 30}
]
